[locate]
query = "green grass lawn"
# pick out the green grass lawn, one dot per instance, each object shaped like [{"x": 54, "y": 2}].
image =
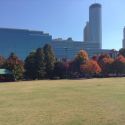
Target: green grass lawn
[{"x": 63, "y": 102}]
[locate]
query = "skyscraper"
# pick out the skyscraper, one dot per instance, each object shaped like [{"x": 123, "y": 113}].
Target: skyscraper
[
  {"x": 87, "y": 32},
  {"x": 94, "y": 25},
  {"x": 123, "y": 43}
]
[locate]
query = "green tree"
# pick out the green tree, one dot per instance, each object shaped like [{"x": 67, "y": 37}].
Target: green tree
[
  {"x": 61, "y": 69},
  {"x": 16, "y": 65},
  {"x": 40, "y": 63},
  {"x": 49, "y": 60},
  {"x": 30, "y": 66}
]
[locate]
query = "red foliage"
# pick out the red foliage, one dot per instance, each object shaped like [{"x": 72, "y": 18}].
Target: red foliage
[
  {"x": 105, "y": 62},
  {"x": 120, "y": 58},
  {"x": 95, "y": 58},
  {"x": 91, "y": 67},
  {"x": 14, "y": 61},
  {"x": 119, "y": 65}
]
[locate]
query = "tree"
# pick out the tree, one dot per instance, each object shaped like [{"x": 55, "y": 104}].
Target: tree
[
  {"x": 119, "y": 65},
  {"x": 105, "y": 62},
  {"x": 30, "y": 67},
  {"x": 2, "y": 61},
  {"x": 16, "y": 65},
  {"x": 61, "y": 69},
  {"x": 95, "y": 58},
  {"x": 122, "y": 52},
  {"x": 40, "y": 64},
  {"x": 49, "y": 60},
  {"x": 81, "y": 58},
  {"x": 35, "y": 65},
  {"x": 91, "y": 67}
]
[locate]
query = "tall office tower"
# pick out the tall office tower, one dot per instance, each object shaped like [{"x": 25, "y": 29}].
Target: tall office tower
[
  {"x": 93, "y": 28},
  {"x": 95, "y": 22},
  {"x": 86, "y": 32},
  {"x": 123, "y": 43}
]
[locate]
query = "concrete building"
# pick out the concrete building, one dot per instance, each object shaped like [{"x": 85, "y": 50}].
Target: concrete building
[
  {"x": 93, "y": 28},
  {"x": 86, "y": 33},
  {"x": 123, "y": 42},
  {"x": 69, "y": 48},
  {"x": 66, "y": 48}
]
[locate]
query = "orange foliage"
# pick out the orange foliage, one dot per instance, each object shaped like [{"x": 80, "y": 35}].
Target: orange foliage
[
  {"x": 82, "y": 56},
  {"x": 91, "y": 67}
]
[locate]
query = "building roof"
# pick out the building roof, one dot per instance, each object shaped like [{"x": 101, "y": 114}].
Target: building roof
[
  {"x": 95, "y": 5},
  {"x": 5, "y": 71}
]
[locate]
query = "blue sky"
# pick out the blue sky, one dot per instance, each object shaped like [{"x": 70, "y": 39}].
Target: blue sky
[{"x": 64, "y": 18}]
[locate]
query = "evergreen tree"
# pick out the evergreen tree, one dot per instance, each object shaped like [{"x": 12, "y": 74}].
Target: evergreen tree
[
  {"x": 40, "y": 63},
  {"x": 30, "y": 67},
  {"x": 49, "y": 60}
]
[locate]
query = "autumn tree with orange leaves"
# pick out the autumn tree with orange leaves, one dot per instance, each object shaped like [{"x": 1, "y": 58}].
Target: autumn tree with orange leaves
[
  {"x": 91, "y": 67},
  {"x": 81, "y": 58}
]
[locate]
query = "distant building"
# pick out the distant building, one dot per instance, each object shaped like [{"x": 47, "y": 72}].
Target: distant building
[
  {"x": 93, "y": 28},
  {"x": 69, "y": 48},
  {"x": 123, "y": 43},
  {"x": 22, "y": 41},
  {"x": 86, "y": 32},
  {"x": 66, "y": 48}
]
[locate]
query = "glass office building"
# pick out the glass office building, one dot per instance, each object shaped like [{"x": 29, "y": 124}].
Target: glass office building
[{"x": 21, "y": 41}]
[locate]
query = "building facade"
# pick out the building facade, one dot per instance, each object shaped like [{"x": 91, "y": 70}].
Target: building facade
[
  {"x": 86, "y": 33},
  {"x": 22, "y": 42},
  {"x": 69, "y": 49},
  {"x": 123, "y": 42},
  {"x": 93, "y": 28},
  {"x": 66, "y": 48}
]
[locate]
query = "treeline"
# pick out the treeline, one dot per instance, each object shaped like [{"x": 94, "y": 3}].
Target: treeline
[{"x": 42, "y": 64}]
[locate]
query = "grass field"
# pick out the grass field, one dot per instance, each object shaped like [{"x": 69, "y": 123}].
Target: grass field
[{"x": 66, "y": 102}]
